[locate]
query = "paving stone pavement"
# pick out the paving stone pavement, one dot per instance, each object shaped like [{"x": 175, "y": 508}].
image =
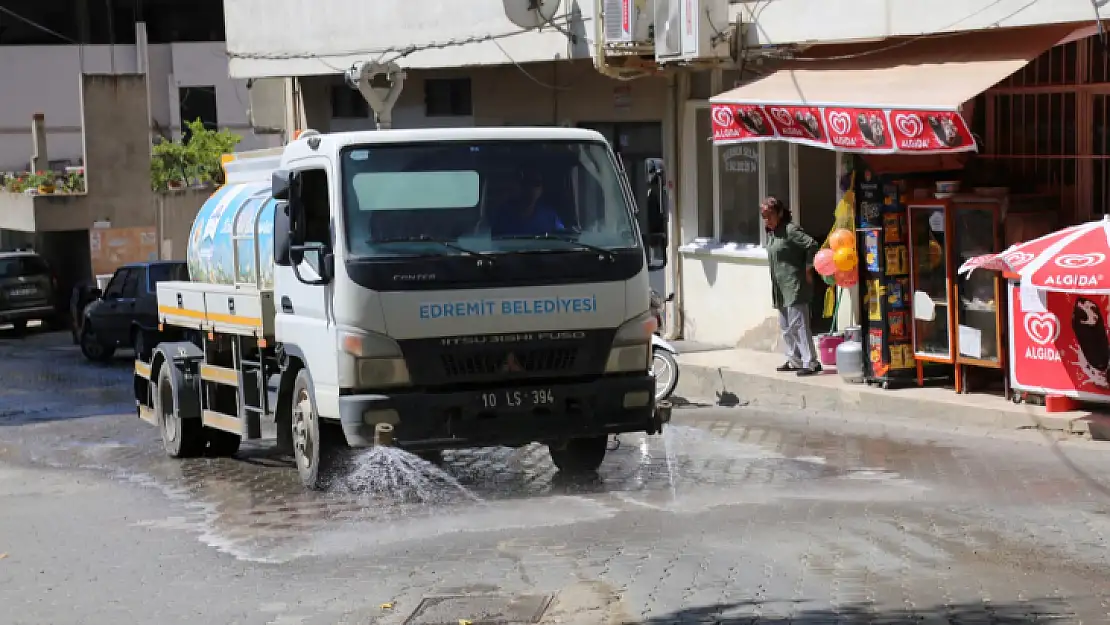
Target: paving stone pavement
[{"x": 733, "y": 516}]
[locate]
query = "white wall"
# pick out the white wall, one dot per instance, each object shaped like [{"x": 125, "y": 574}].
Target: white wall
[
  {"x": 800, "y": 21},
  {"x": 46, "y": 79},
  {"x": 349, "y": 31}
]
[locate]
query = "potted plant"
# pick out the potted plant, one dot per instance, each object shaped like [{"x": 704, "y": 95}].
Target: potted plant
[
  {"x": 75, "y": 182},
  {"x": 43, "y": 182}
]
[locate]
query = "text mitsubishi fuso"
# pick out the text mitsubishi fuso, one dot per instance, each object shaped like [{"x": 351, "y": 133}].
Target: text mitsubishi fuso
[{"x": 453, "y": 287}]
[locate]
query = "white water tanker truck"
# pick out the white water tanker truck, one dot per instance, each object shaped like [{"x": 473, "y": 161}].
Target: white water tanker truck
[{"x": 461, "y": 287}]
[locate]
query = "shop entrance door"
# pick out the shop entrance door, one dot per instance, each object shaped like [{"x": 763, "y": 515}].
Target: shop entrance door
[{"x": 638, "y": 144}]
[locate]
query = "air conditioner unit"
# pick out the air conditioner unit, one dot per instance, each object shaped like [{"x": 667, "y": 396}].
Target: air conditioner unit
[
  {"x": 628, "y": 21},
  {"x": 689, "y": 30}
]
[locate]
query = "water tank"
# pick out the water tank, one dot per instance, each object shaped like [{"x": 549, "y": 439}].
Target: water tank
[{"x": 232, "y": 240}]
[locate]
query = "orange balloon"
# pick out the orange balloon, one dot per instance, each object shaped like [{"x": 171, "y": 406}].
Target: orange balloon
[
  {"x": 845, "y": 259},
  {"x": 842, "y": 238}
]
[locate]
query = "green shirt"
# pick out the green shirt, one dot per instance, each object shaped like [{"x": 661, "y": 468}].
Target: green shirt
[{"x": 789, "y": 252}]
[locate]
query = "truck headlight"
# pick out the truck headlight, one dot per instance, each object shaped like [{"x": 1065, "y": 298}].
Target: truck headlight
[
  {"x": 382, "y": 372},
  {"x": 631, "y": 349},
  {"x": 377, "y": 360}
]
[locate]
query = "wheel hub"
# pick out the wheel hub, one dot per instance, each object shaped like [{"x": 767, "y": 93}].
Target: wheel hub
[{"x": 302, "y": 434}]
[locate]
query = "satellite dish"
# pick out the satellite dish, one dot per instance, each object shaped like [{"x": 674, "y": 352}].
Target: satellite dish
[{"x": 531, "y": 13}]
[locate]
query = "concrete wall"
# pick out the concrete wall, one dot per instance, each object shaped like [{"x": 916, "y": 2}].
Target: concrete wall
[
  {"x": 802, "y": 21},
  {"x": 333, "y": 34},
  {"x": 46, "y": 79},
  {"x": 176, "y": 211}
]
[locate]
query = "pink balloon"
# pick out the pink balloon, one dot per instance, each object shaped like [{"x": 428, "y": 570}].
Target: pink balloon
[
  {"x": 847, "y": 279},
  {"x": 824, "y": 263}
]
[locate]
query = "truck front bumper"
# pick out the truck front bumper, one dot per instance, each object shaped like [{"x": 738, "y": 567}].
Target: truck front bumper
[{"x": 506, "y": 416}]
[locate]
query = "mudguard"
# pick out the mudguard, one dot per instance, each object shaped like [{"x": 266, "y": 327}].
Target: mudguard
[{"x": 182, "y": 359}]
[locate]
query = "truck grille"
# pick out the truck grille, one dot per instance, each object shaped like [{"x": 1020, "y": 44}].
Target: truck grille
[{"x": 543, "y": 360}]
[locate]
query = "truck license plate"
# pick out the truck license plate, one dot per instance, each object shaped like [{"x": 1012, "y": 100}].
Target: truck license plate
[
  {"x": 27, "y": 290},
  {"x": 518, "y": 398}
]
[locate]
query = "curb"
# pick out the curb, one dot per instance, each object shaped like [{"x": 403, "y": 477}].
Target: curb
[{"x": 786, "y": 392}]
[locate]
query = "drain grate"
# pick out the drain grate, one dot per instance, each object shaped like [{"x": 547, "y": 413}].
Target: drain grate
[{"x": 480, "y": 609}]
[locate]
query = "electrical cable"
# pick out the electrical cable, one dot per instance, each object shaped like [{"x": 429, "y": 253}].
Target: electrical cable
[
  {"x": 400, "y": 52},
  {"x": 35, "y": 24},
  {"x": 936, "y": 35}
]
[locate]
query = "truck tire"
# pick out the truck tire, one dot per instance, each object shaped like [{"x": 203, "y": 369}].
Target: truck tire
[
  {"x": 579, "y": 455},
  {"x": 222, "y": 444},
  {"x": 315, "y": 450},
  {"x": 181, "y": 438}
]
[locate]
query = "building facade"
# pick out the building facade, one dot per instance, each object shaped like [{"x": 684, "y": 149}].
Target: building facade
[
  {"x": 178, "y": 46},
  {"x": 469, "y": 64}
]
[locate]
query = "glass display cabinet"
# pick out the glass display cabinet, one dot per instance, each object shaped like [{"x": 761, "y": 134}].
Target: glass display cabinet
[
  {"x": 977, "y": 230},
  {"x": 932, "y": 278}
]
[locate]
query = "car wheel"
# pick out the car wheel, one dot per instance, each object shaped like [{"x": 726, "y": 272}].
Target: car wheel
[
  {"x": 181, "y": 438},
  {"x": 315, "y": 448},
  {"x": 139, "y": 343},
  {"x": 579, "y": 455},
  {"x": 19, "y": 326},
  {"x": 92, "y": 348}
]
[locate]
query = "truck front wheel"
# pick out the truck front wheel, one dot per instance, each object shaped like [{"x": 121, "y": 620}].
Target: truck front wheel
[
  {"x": 579, "y": 455},
  {"x": 314, "y": 449}
]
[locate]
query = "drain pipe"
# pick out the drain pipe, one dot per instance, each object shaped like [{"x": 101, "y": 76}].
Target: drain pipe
[{"x": 383, "y": 435}]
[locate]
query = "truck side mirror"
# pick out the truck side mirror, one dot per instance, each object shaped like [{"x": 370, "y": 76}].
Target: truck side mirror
[{"x": 281, "y": 181}]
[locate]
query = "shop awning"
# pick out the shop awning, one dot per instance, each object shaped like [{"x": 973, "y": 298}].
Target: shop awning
[{"x": 880, "y": 97}]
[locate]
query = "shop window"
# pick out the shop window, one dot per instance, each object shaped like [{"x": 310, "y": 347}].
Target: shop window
[
  {"x": 447, "y": 97},
  {"x": 739, "y": 171}
]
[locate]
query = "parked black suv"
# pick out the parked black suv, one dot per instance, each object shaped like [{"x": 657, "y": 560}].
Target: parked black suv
[
  {"x": 27, "y": 289},
  {"x": 126, "y": 314}
]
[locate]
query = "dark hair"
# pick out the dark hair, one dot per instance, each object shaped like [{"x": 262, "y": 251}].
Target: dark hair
[{"x": 777, "y": 205}]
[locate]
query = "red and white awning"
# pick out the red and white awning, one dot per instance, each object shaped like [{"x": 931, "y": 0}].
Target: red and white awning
[{"x": 885, "y": 97}]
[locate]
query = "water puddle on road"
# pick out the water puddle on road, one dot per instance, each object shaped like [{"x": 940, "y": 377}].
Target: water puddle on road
[{"x": 254, "y": 508}]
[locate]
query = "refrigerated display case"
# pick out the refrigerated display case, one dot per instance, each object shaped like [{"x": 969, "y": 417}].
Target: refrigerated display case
[
  {"x": 979, "y": 295},
  {"x": 932, "y": 284}
]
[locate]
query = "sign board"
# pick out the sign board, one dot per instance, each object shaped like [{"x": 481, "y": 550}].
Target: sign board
[
  {"x": 1060, "y": 347},
  {"x": 111, "y": 247}
]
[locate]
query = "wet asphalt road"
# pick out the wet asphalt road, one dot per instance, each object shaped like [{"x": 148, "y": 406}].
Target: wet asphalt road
[{"x": 733, "y": 517}]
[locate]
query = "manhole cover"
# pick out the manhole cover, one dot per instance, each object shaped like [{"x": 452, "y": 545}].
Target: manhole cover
[{"x": 480, "y": 609}]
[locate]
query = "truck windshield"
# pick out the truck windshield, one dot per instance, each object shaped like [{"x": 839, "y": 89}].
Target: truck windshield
[{"x": 485, "y": 197}]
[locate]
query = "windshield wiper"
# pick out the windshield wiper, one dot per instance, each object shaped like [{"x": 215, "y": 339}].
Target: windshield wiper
[
  {"x": 423, "y": 238},
  {"x": 548, "y": 236}
]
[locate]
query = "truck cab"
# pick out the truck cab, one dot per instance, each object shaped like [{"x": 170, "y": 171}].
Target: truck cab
[{"x": 464, "y": 287}]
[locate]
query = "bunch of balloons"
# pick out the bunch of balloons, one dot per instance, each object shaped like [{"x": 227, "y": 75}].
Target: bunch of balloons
[{"x": 838, "y": 263}]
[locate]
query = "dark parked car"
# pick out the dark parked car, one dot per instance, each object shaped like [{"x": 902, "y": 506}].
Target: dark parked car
[
  {"x": 27, "y": 289},
  {"x": 126, "y": 314}
]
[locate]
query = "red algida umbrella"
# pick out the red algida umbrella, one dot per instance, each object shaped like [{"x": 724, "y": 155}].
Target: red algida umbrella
[{"x": 1072, "y": 260}]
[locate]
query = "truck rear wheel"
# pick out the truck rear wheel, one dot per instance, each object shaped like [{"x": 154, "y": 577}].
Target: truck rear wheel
[
  {"x": 181, "y": 438},
  {"x": 222, "y": 444},
  {"x": 314, "y": 448},
  {"x": 579, "y": 455}
]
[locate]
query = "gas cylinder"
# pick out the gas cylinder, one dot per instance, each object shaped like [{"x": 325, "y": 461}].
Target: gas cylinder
[{"x": 849, "y": 357}]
